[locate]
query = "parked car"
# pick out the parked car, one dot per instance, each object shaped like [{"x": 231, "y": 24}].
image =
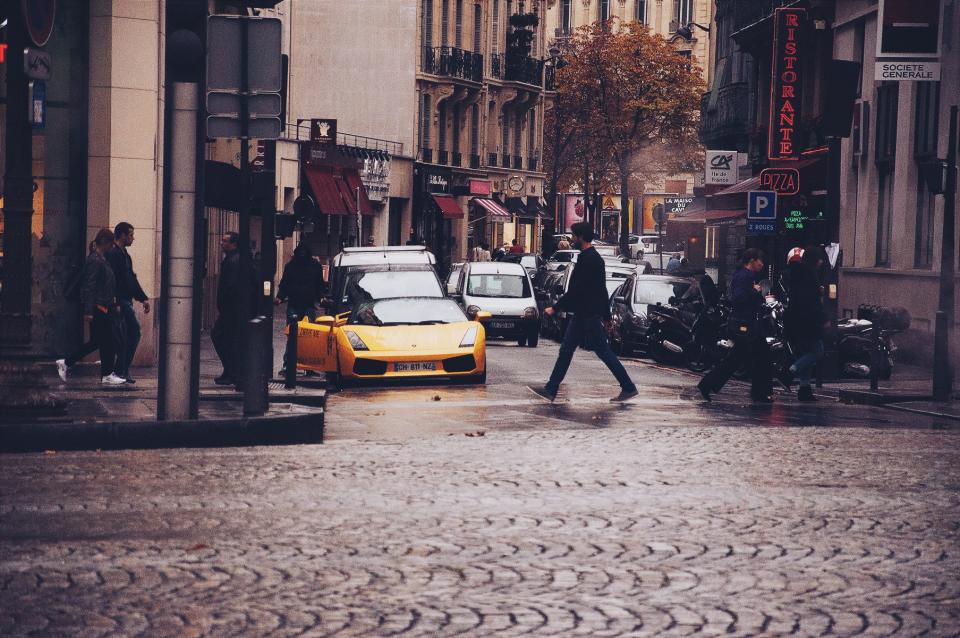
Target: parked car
[
  {"x": 453, "y": 278},
  {"x": 561, "y": 258},
  {"x": 530, "y": 261},
  {"x": 345, "y": 266},
  {"x": 630, "y": 305},
  {"x": 504, "y": 290}
]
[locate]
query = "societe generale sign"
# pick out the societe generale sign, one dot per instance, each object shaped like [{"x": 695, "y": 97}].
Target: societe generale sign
[{"x": 721, "y": 168}]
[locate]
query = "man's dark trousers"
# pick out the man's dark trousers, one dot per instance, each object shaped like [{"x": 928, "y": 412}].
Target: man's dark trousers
[
  {"x": 589, "y": 330},
  {"x": 751, "y": 350},
  {"x": 225, "y": 336},
  {"x": 129, "y": 337}
]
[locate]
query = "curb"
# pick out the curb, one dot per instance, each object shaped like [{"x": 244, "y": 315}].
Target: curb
[
  {"x": 866, "y": 397},
  {"x": 272, "y": 429}
]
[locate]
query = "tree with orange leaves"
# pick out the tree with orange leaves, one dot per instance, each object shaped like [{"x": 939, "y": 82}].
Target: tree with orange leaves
[{"x": 631, "y": 99}]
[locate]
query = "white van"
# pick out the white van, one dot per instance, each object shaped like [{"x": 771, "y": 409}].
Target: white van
[{"x": 505, "y": 291}]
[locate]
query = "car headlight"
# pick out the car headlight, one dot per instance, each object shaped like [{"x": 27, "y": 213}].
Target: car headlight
[
  {"x": 530, "y": 313},
  {"x": 472, "y": 311},
  {"x": 355, "y": 341},
  {"x": 470, "y": 338}
]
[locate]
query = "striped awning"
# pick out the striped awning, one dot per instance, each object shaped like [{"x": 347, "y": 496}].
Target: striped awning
[{"x": 492, "y": 208}]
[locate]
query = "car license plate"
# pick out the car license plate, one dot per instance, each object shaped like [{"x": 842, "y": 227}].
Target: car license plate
[
  {"x": 501, "y": 325},
  {"x": 415, "y": 366}
]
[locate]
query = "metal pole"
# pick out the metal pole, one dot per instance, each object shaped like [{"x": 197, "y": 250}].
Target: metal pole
[
  {"x": 254, "y": 374},
  {"x": 174, "y": 396},
  {"x": 290, "y": 365},
  {"x": 246, "y": 266},
  {"x": 359, "y": 221},
  {"x": 942, "y": 373}
]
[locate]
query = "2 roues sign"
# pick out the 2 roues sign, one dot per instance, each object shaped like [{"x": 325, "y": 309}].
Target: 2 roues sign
[{"x": 782, "y": 181}]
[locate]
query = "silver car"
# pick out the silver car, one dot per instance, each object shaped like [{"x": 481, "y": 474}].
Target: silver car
[{"x": 504, "y": 290}]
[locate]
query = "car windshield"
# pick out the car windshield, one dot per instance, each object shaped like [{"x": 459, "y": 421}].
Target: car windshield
[
  {"x": 651, "y": 292},
  {"x": 528, "y": 261},
  {"x": 381, "y": 284},
  {"x": 494, "y": 285},
  {"x": 417, "y": 311}
]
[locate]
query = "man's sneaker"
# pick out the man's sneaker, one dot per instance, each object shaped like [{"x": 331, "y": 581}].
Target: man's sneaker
[
  {"x": 62, "y": 369},
  {"x": 542, "y": 392},
  {"x": 112, "y": 380},
  {"x": 625, "y": 395}
]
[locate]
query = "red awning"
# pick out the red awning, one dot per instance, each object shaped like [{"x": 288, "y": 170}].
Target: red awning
[
  {"x": 326, "y": 190},
  {"x": 352, "y": 177},
  {"x": 747, "y": 185},
  {"x": 492, "y": 208},
  {"x": 448, "y": 206}
]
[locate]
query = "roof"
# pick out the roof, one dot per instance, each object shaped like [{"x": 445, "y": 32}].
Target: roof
[
  {"x": 384, "y": 256},
  {"x": 496, "y": 268}
]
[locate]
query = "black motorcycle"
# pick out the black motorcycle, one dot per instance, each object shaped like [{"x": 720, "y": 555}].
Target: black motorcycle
[
  {"x": 688, "y": 330},
  {"x": 868, "y": 340}
]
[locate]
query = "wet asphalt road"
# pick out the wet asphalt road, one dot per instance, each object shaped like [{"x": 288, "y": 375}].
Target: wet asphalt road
[{"x": 663, "y": 517}]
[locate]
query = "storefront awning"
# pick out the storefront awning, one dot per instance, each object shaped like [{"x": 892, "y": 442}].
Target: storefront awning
[
  {"x": 492, "y": 209},
  {"x": 747, "y": 185},
  {"x": 326, "y": 190},
  {"x": 448, "y": 206}
]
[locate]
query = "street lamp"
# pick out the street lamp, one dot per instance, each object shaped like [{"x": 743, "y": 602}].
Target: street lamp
[{"x": 686, "y": 31}]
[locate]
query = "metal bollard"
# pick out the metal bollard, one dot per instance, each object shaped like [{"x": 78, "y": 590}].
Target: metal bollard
[
  {"x": 255, "y": 373},
  {"x": 875, "y": 357},
  {"x": 290, "y": 365},
  {"x": 942, "y": 374}
]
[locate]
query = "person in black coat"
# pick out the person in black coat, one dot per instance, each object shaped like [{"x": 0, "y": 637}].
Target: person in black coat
[
  {"x": 587, "y": 299},
  {"x": 128, "y": 290},
  {"x": 301, "y": 286},
  {"x": 804, "y": 318},
  {"x": 750, "y": 344},
  {"x": 226, "y": 330}
]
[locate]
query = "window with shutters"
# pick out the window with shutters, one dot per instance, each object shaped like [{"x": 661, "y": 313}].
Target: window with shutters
[
  {"x": 426, "y": 27},
  {"x": 495, "y": 42},
  {"x": 458, "y": 21},
  {"x": 477, "y": 28},
  {"x": 682, "y": 12},
  {"x": 445, "y": 23},
  {"x": 566, "y": 16}
]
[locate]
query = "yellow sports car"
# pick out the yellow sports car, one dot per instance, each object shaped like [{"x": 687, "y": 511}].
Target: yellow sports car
[{"x": 410, "y": 337}]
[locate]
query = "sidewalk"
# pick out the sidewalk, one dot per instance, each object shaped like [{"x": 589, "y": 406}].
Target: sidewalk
[{"x": 100, "y": 417}]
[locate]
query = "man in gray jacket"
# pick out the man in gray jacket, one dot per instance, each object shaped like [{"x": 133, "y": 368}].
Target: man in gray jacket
[{"x": 98, "y": 294}]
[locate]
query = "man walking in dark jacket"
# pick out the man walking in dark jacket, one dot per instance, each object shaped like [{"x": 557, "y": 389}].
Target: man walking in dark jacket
[
  {"x": 587, "y": 299},
  {"x": 750, "y": 345},
  {"x": 301, "y": 286},
  {"x": 804, "y": 319},
  {"x": 225, "y": 333},
  {"x": 98, "y": 295},
  {"x": 128, "y": 289}
]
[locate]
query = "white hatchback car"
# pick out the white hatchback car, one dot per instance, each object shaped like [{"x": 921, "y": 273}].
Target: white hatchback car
[{"x": 505, "y": 291}]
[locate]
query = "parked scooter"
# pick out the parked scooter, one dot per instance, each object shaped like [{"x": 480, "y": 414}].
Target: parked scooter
[
  {"x": 873, "y": 329},
  {"x": 687, "y": 331}
]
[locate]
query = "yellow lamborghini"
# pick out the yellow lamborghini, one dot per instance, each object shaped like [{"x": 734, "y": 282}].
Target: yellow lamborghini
[{"x": 410, "y": 337}]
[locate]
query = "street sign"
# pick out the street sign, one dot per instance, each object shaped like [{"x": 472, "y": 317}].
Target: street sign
[
  {"x": 762, "y": 205},
  {"x": 785, "y": 181},
  {"x": 37, "y": 99},
  {"x": 227, "y": 104},
  {"x": 264, "y": 63},
  {"x": 36, "y": 64},
  {"x": 761, "y": 228},
  {"x": 721, "y": 168},
  {"x": 39, "y": 16},
  {"x": 257, "y": 128},
  {"x": 907, "y": 70}
]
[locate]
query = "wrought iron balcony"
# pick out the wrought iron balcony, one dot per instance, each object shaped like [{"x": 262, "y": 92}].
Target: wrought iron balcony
[
  {"x": 475, "y": 161},
  {"x": 442, "y": 157},
  {"x": 527, "y": 70},
  {"x": 725, "y": 114},
  {"x": 453, "y": 62}
]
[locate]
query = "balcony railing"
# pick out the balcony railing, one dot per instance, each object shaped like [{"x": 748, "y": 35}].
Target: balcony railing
[
  {"x": 527, "y": 70},
  {"x": 456, "y": 159},
  {"x": 474, "y": 161},
  {"x": 491, "y": 159},
  {"x": 517, "y": 162},
  {"x": 442, "y": 157},
  {"x": 725, "y": 114},
  {"x": 453, "y": 62},
  {"x": 426, "y": 155}
]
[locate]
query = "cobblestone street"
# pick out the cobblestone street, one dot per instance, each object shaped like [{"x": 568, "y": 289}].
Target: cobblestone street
[{"x": 488, "y": 512}]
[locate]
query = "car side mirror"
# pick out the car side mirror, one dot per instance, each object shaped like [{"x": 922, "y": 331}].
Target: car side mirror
[
  {"x": 482, "y": 315},
  {"x": 327, "y": 321}
]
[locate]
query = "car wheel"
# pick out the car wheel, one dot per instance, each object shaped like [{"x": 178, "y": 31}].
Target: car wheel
[
  {"x": 533, "y": 339},
  {"x": 521, "y": 341}
]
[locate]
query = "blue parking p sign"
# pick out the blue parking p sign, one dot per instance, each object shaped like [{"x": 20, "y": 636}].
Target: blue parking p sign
[{"x": 762, "y": 205}]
